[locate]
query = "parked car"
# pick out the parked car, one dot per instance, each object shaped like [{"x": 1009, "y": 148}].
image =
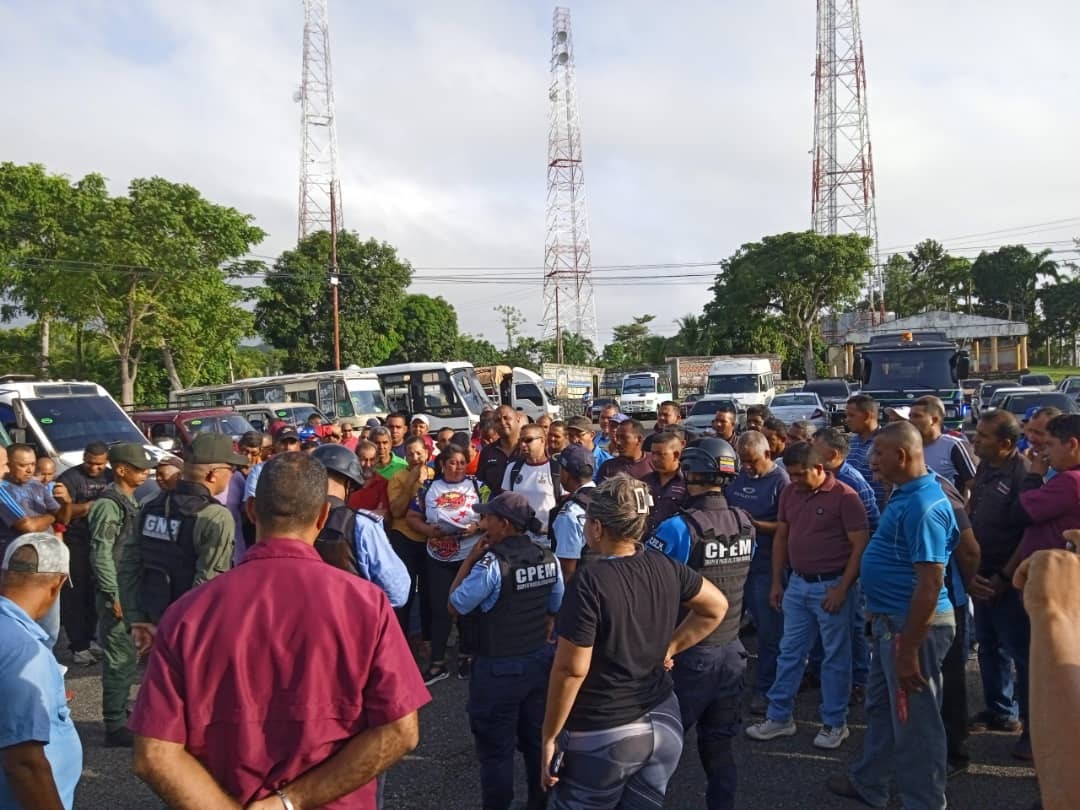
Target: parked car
[
  {"x": 986, "y": 390},
  {"x": 999, "y": 396},
  {"x": 1070, "y": 385},
  {"x": 599, "y": 404},
  {"x": 1038, "y": 380},
  {"x": 688, "y": 403},
  {"x": 701, "y": 415},
  {"x": 262, "y": 417},
  {"x": 801, "y": 406},
  {"x": 174, "y": 430},
  {"x": 1018, "y": 404},
  {"x": 834, "y": 394}
]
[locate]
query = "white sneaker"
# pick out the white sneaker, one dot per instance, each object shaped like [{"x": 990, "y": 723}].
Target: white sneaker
[
  {"x": 831, "y": 737},
  {"x": 83, "y": 658},
  {"x": 770, "y": 729}
]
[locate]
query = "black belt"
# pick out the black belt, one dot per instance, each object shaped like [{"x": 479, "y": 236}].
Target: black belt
[{"x": 820, "y": 577}]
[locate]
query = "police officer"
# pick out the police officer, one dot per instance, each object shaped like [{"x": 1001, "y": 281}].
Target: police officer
[
  {"x": 514, "y": 587},
  {"x": 716, "y": 540},
  {"x": 354, "y": 539},
  {"x": 111, "y": 521},
  {"x": 182, "y": 538},
  {"x": 566, "y": 525}
]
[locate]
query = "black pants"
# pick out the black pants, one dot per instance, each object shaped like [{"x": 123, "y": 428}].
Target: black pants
[
  {"x": 414, "y": 555},
  {"x": 78, "y": 613},
  {"x": 954, "y": 708},
  {"x": 440, "y": 577}
]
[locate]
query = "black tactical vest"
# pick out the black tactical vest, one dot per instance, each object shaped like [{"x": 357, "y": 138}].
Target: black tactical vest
[
  {"x": 336, "y": 543},
  {"x": 721, "y": 546},
  {"x": 582, "y": 497},
  {"x": 166, "y": 528},
  {"x": 517, "y": 624}
]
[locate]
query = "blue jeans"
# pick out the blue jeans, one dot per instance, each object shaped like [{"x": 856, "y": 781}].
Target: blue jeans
[
  {"x": 506, "y": 706},
  {"x": 805, "y": 620},
  {"x": 1004, "y": 635},
  {"x": 860, "y": 648},
  {"x": 914, "y": 753},
  {"x": 709, "y": 685},
  {"x": 770, "y": 627}
]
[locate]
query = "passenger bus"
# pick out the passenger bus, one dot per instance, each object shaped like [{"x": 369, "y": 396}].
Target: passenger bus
[
  {"x": 449, "y": 393},
  {"x": 348, "y": 393}
]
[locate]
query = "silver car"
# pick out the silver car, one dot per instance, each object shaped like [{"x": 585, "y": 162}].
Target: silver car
[
  {"x": 701, "y": 415},
  {"x": 806, "y": 406}
]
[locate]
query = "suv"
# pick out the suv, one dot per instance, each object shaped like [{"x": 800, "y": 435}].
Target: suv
[
  {"x": 174, "y": 430},
  {"x": 834, "y": 393},
  {"x": 262, "y": 417},
  {"x": 1038, "y": 380}
]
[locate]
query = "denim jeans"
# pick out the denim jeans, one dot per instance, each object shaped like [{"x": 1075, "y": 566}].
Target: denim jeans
[
  {"x": 860, "y": 647},
  {"x": 805, "y": 620},
  {"x": 770, "y": 628},
  {"x": 1004, "y": 635},
  {"x": 913, "y": 752}
]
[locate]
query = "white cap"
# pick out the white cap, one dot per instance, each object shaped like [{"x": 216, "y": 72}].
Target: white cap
[
  {"x": 53, "y": 556},
  {"x": 420, "y": 417},
  {"x": 900, "y": 412}
]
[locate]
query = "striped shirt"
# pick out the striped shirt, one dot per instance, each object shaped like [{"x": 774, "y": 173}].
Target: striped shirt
[
  {"x": 951, "y": 458},
  {"x": 21, "y": 500}
]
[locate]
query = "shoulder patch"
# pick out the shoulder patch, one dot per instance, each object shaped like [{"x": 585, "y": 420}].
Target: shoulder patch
[
  {"x": 370, "y": 515},
  {"x": 487, "y": 560}
]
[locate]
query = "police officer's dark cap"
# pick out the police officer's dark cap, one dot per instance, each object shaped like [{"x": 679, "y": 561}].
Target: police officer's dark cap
[
  {"x": 286, "y": 432},
  {"x": 132, "y": 454},
  {"x": 576, "y": 460},
  {"x": 582, "y": 424},
  {"x": 215, "y": 448},
  {"x": 510, "y": 505}
]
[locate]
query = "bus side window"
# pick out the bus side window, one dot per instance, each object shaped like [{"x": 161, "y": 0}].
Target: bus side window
[{"x": 343, "y": 404}]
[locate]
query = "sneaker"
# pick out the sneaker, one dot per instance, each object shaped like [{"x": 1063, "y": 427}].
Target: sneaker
[
  {"x": 988, "y": 721},
  {"x": 435, "y": 673},
  {"x": 83, "y": 658},
  {"x": 119, "y": 738},
  {"x": 831, "y": 736},
  {"x": 758, "y": 705},
  {"x": 464, "y": 668},
  {"x": 770, "y": 729}
]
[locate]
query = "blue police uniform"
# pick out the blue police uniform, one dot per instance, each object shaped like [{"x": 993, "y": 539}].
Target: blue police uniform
[
  {"x": 511, "y": 591},
  {"x": 717, "y": 540}
]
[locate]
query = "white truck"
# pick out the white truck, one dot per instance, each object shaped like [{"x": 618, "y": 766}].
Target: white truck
[
  {"x": 747, "y": 380},
  {"x": 521, "y": 389},
  {"x": 642, "y": 392}
]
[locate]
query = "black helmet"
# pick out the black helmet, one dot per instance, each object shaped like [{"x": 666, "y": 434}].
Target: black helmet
[
  {"x": 709, "y": 456},
  {"x": 341, "y": 460}
]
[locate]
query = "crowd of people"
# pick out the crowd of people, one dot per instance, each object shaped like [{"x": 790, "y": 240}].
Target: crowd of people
[{"x": 599, "y": 582}]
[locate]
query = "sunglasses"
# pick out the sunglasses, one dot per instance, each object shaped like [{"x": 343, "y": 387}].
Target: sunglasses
[{"x": 531, "y": 440}]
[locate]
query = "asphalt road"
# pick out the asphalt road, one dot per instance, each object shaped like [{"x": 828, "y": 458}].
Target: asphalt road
[{"x": 442, "y": 773}]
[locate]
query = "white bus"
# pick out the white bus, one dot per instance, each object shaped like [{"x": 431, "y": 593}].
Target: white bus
[
  {"x": 747, "y": 380},
  {"x": 59, "y": 418},
  {"x": 449, "y": 393},
  {"x": 337, "y": 394},
  {"x": 642, "y": 392},
  {"x": 521, "y": 389}
]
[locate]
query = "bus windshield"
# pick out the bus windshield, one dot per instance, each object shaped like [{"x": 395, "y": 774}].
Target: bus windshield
[
  {"x": 733, "y": 384},
  {"x": 910, "y": 369},
  {"x": 472, "y": 394},
  {"x": 367, "y": 401},
  {"x": 70, "y": 422},
  {"x": 639, "y": 385}
]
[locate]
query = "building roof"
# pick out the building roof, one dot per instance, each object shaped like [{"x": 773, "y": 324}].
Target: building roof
[{"x": 956, "y": 325}]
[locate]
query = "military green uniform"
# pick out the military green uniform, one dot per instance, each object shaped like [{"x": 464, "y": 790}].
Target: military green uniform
[{"x": 112, "y": 520}]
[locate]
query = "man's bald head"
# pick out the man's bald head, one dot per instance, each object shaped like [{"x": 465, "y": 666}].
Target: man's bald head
[{"x": 898, "y": 453}]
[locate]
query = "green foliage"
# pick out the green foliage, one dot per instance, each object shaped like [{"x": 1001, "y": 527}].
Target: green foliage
[
  {"x": 512, "y": 321},
  {"x": 428, "y": 328},
  {"x": 927, "y": 279},
  {"x": 478, "y": 351},
  {"x": 1005, "y": 281},
  {"x": 633, "y": 344},
  {"x": 294, "y": 310}
]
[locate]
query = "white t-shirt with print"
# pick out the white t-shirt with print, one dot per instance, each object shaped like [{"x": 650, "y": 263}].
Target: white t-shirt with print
[{"x": 535, "y": 482}]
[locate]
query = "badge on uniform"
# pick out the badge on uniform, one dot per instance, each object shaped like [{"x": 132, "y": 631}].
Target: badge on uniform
[{"x": 820, "y": 511}]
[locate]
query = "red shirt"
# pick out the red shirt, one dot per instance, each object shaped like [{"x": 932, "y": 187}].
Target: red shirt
[
  {"x": 818, "y": 525},
  {"x": 261, "y": 686},
  {"x": 371, "y": 497}
]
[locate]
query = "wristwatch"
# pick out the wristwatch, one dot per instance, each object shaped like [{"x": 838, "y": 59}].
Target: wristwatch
[{"x": 285, "y": 801}]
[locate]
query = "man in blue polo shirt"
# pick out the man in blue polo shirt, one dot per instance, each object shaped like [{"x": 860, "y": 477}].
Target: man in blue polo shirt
[
  {"x": 903, "y": 573},
  {"x": 40, "y": 752}
]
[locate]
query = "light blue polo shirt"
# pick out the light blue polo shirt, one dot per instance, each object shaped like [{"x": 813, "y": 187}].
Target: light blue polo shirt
[
  {"x": 33, "y": 702},
  {"x": 917, "y": 526}
]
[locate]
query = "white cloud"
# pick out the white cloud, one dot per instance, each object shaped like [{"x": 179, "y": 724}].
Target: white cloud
[{"x": 696, "y": 122}]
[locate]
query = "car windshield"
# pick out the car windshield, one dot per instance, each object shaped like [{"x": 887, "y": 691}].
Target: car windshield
[
  {"x": 794, "y": 399},
  {"x": 295, "y": 414},
  {"x": 909, "y": 370},
  {"x": 711, "y": 406},
  {"x": 70, "y": 422},
  {"x": 639, "y": 385},
  {"x": 1001, "y": 393},
  {"x": 365, "y": 402},
  {"x": 233, "y": 424},
  {"x": 733, "y": 384},
  {"x": 828, "y": 388},
  {"x": 1036, "y": 379},
  {"x": 989, "y": 388},
  {"x": 1019, "y": 403}
]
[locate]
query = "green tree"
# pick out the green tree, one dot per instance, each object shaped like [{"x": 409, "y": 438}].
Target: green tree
[
  {"x": 630, "y": 344},
  {"x": 1061, "y": 314},
  {"x": 478, "y": 351},
  {"x": 694, "y": 336},
  {"x": 795, "y": 276},
  {"x": 577, "y": 349},
  {"x": 1006, "y": 279},
  {"x": 428, "y": 328},
  {"x": 512, "y": 321},
  {"x": 927, "y": 278},
  {"x": 294, "y": 310}
]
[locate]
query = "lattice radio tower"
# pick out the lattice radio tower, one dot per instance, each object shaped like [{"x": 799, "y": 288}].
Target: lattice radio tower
[
  {"x": 842, "y": 197},
  {"x": 320, "y": 189},
  {"x": 568, "y": 290}
]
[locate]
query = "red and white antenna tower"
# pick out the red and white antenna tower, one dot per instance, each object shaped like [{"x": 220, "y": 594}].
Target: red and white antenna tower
[
  {"x": 568, "y": 291},
  {"x": 320, "y": 189},
  {"x": 842, "y": 197}
]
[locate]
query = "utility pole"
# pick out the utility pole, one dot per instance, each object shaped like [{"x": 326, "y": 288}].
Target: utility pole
[
  {"x": 335, "y": 281},
  {"x": 567, "y": 251},
  {"x": 842, "y": 187}
]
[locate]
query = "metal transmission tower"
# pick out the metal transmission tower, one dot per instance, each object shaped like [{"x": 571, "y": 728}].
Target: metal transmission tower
[
  {"x": 318, "y": 145},
  {"x": 568, "y": 291},
  {"x": 843, "y": 182}
]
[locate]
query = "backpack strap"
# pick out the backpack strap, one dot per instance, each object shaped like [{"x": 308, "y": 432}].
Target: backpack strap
[{"x": 515, "y": 471}]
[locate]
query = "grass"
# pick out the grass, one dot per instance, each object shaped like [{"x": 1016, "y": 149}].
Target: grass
[{"x": 1057, "y": 373}]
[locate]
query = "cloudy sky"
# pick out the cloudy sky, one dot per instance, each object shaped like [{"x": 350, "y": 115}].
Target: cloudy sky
[{"x": 696, "y": 120}]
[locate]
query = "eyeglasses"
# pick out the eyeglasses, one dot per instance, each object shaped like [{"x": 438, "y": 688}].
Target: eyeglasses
[{"x": 531, "y": 440}]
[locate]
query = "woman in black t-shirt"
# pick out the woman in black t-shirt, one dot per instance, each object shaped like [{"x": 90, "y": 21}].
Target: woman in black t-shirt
[{"x": 617, "y": 636}]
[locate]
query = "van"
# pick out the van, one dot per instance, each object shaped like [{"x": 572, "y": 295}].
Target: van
[
  {"x": 174, "y": 430},
  {"x": 59, "y": 418},
  {"x": 747, "y": 380}
]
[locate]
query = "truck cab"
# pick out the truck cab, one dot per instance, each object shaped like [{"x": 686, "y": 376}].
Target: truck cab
[{"x": 521, "y": 389}]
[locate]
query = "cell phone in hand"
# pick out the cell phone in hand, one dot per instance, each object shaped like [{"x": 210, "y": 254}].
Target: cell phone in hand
[{"x": 557, "y": 763}]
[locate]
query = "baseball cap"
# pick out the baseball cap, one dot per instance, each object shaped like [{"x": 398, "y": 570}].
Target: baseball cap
[
  {"x": 576, "y": 460},
  {"x": 583, "y": 424},
  {"x": 510, "y": 505},
  {"x": 171, "y": 461},
  {"x": 286, "y": 432},
  {"x": 373, "y": 423},
  {"x": 53, "y": 556},
  {"x": 619, "y": 418},
  {"x": 132, "y": 454},
  {"x": 420, "y": 417},
  {"x": 215, "y": 448},
  {"x": 899, "y": 412},
  {"x": 1030, "y": 413}
]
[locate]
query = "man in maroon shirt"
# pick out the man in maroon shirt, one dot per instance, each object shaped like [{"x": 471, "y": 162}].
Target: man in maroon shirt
[
  {"x": 632, "y": 458},
  {"x": 283, "y": 683}
]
